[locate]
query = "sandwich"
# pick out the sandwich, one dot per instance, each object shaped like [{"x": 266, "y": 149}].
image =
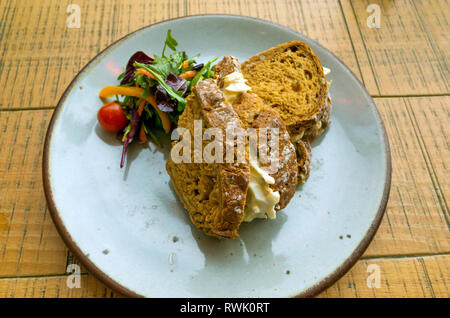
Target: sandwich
[
  {"x": 290, "y": 79},
  {"x": 219, "y": 196}
]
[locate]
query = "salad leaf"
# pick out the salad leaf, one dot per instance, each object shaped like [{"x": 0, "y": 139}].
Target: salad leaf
[
  {"x": 140, "y": 57},
  {"x": 176, "y": 61},
  {"x": 192, "y": 59},
  {"x": 165, "y": 106},
  {"x": 163, "y": 101},
  {"x": 166, "y": 64},
  {"x": 170, "y": 42},
  {"x": 161, "y": 64},
  {"x": 199, "y": 76},
  {"x": 130, "y": 135},
  {"x": 177, "y": 83},
  {"x": 161, "y": 82}
]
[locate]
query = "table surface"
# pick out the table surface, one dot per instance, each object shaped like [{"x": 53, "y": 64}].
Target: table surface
[{"x": 404, "y": 65}]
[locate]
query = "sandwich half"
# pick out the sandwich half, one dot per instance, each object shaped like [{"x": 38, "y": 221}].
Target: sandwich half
[
  {"x": 290, "y": 80},
  {"x": 213, "y": 193},
  {"x": 220, "y": 196}
]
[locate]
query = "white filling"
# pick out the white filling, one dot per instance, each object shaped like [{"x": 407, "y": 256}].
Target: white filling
[
  {"x": 233, "y": 86},
  {"x": 261, "y": 199}
]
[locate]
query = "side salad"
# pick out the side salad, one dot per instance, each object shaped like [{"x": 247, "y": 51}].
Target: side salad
[{"x": 151, "y": 94}]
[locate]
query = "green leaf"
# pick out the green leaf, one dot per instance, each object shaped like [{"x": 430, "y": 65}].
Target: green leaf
[
  {"x": 200, "y": 74},
  {"x": 180, "y": 108},
  {"x": 209, "y": 73},
  {"x": 176, "y": 62},
  {"x": 126, "y": 101},
  {"x": 158, "y": 122},
  {"x": 141, "y": 80},
  {"x": 145, "y": 93},
  {"x": 170, "y": 42},
  {"x": 192, "y": 59},
  {"x": 148, "y": 112},
  {"x": 162, "y": 65},
  {"x": 161, "y": 82},
  {"x": 127, "y": 130}
]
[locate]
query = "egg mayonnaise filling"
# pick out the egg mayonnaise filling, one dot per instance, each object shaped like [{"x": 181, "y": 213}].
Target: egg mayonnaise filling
[
  {"x": 233, "y": 86},
  {"x": 261, "y": 199}
]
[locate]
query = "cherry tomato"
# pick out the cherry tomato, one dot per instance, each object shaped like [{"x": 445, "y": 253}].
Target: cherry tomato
[{"x": 112, "y": 117}]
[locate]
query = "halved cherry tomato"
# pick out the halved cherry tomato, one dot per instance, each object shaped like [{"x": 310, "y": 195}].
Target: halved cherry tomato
[{"x": 112, "y": 117}]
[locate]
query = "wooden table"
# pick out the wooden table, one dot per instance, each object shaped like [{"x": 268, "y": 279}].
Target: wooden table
[{"x": 404, "y": 65}]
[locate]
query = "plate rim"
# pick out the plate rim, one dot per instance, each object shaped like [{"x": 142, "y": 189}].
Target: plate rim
[{"x": 92, "y": 268}]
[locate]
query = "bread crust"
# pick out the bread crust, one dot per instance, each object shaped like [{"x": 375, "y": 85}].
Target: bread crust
[
  {"x": 303, "y": 149},
  {"x": 286, "y": 173}
]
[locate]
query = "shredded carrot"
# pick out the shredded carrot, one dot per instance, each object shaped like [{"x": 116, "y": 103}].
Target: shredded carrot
[
  {"x": 109, "y": 91},
  {"x": 145, "y": 72},
  {"x": 188, "y": 74},
  {"x": 141, "y": 108},
  {"x": 142, "y": 135},
  {"x": 185, "y": 64}
]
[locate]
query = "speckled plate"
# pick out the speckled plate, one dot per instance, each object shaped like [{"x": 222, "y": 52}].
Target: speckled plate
[{"x": 128, "y": 227}]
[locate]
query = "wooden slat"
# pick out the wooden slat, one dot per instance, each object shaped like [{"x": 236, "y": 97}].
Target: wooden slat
[
  {"x": 38, "y": 58},
  {"x": 399, "y": 278},
  {"x": 407, "y": 54},
  {"x": 367, "y": 75},
  {"x": 29, "y": 242},
  {"x": 414, "y": 222},
  {"x": 431, "y": 116},
  {"x": 53, "y": 287},
  {"x": 321, "y": 20},
  {"x": 434, "y": 17},
  {"x": 437, "y": 270}
]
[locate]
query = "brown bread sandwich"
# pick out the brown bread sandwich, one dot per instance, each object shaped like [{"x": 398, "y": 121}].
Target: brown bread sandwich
[
  {"x": 290, "y": 79},
  {"x": 220, "y": 196}
]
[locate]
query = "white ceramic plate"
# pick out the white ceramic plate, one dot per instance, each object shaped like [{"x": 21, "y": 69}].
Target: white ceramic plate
[{"x": 130, "y": 230}]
